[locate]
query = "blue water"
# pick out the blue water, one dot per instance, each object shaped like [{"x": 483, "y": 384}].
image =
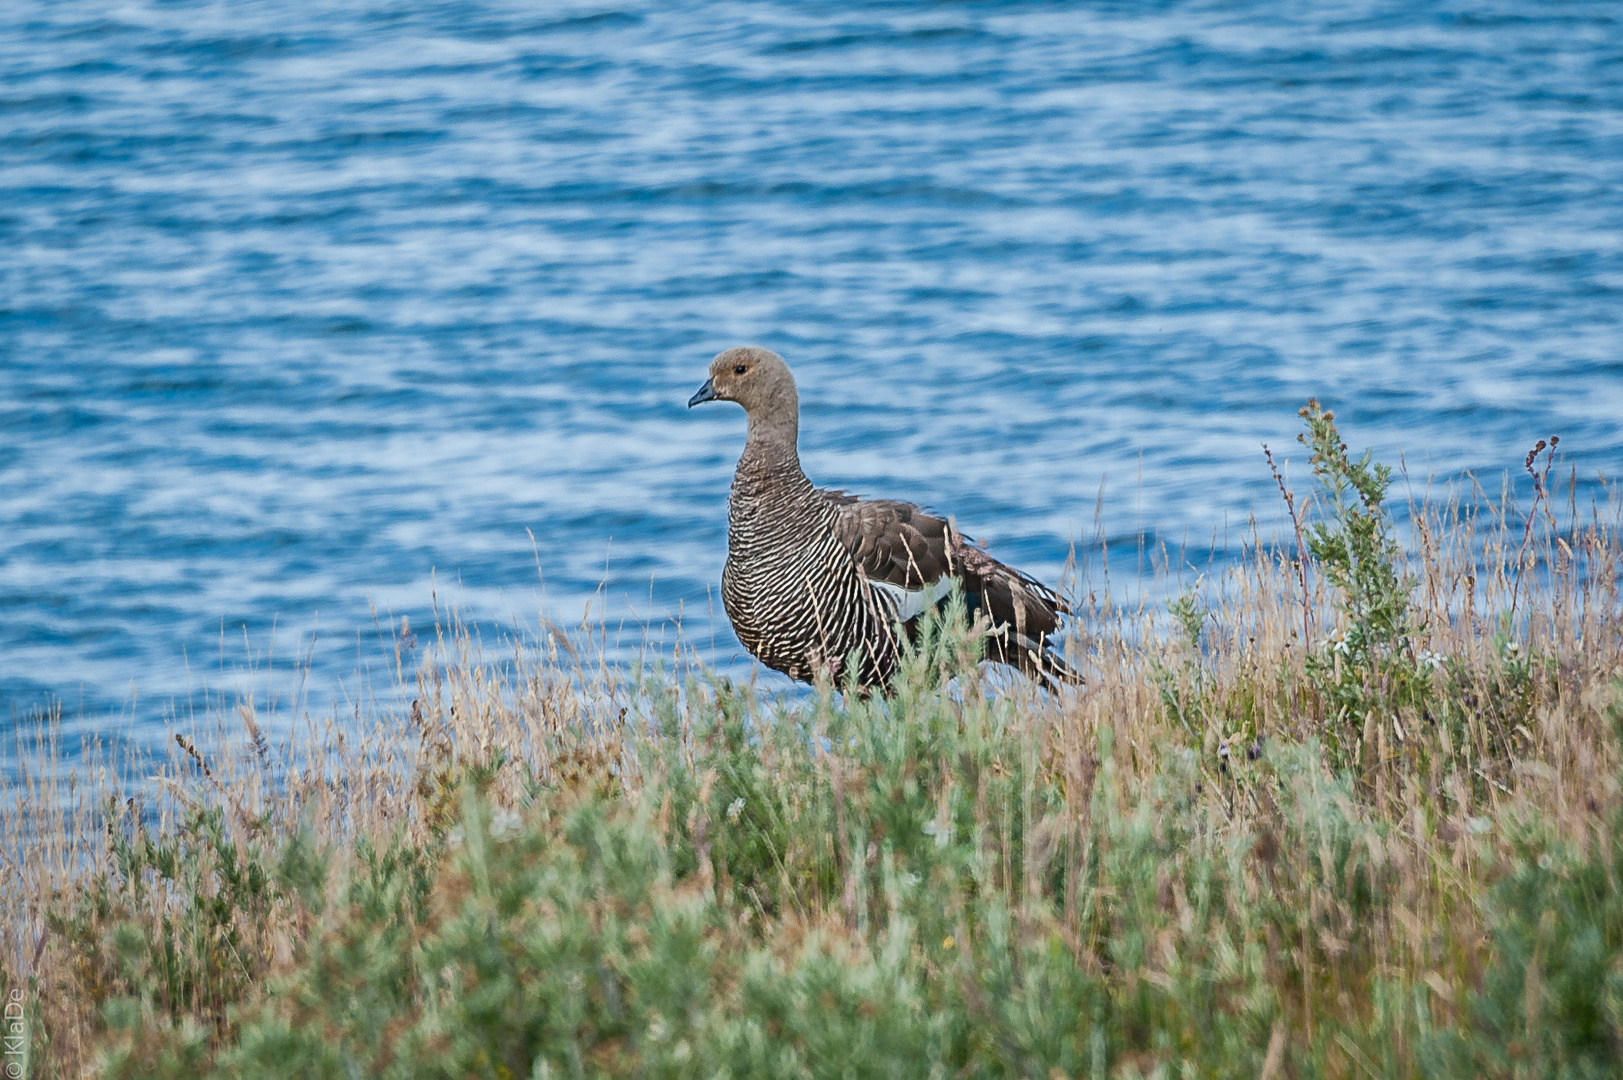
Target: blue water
[{"x": 310, "y": 312}]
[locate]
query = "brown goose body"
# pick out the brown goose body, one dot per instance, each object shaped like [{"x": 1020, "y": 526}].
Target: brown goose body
[{"x": 816, "y": 579}]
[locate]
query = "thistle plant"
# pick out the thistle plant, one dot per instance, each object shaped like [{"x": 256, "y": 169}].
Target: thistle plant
[{"x": 1368, "y": 669}]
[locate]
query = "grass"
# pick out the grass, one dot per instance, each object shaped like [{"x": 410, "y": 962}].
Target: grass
[{"x": 1351, "y": 810}]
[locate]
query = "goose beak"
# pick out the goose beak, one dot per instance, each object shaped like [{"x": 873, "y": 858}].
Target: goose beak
[{"x": 707, "y": 392}]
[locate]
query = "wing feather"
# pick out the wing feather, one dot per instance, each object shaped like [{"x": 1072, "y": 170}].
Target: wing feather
[{"x": 914, "y": 556}]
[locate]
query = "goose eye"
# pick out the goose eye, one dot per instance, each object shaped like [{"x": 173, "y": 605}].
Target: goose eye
[{"x": 740, "y": 369}]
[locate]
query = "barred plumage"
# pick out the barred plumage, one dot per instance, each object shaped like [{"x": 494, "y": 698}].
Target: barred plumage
[{"x": 815, "y": 578}]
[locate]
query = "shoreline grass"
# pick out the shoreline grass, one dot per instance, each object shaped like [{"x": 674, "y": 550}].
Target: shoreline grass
[{"x": 1349, "y": 809}]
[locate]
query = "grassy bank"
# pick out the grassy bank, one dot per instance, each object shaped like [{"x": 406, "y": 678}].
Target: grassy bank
[{"x": 1351, "y": 810}]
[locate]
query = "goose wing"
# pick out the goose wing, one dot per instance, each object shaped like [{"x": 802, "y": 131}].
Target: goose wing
[
  {"x": 898, "y": 547},
  {"x": 899, "y": 544},
  {"x": 915, "y": 557}
]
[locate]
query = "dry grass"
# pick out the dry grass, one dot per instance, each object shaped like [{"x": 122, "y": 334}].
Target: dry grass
[{"x": 1233, "y": 850}]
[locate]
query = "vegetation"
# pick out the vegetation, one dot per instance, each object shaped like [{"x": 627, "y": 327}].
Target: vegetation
[{"x": 1357, "y": 816}]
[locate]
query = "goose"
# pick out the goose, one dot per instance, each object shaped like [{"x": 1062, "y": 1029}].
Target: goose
[{"x": 817, "y": 580}]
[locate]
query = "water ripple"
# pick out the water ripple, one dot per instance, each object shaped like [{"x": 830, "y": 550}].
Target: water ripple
[{"x": 312, "y": 315}]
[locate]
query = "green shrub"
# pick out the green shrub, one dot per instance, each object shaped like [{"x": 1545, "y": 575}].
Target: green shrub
[
  {"x": 1369, "y": 671},
  {"x": 179, "y": 927},
  {"x": 1551, "y": 1002}
]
